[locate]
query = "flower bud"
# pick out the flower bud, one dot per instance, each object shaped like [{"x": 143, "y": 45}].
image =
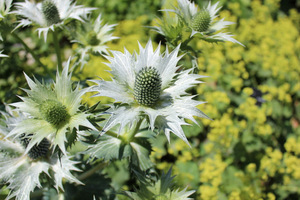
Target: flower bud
[
  {"x": 92, "y": 38},
  {"x": 37, "y": 151},
  {"x": 50, "y": 12},
  {"x": 201, "y": 21},
  {"x": 147, "y": 86},
  {"x": 54, "y": 112}
]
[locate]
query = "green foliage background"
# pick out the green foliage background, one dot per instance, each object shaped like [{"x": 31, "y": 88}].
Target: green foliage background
[{"x": 251, "y": 149}]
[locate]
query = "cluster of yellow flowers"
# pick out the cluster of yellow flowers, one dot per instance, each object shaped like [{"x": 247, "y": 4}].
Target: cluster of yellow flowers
[
  {"x": 211, "y": 170},
  {"x": 269, "y": 63},
  {"x": 270, "y": 54}
]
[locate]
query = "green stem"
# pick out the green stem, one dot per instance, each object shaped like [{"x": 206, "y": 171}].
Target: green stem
[
  {"x": 36, "y": 194},
  {"x": 110, "y": 133},
  {"x": 36, "y": 58},
  {"x": 185, "y": 43},
  {"x": 134, "y": 131},
  {"x": 57, "y": 50},
  {"x": 89, "y": 173}
]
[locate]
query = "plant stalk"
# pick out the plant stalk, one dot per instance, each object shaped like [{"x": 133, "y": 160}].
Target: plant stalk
[
  {"x": 57, "y": 50},
  {"x": 90, "y": 172},
  {"x": 134, "y": 131},
  {"x": 36, "y": 58}
]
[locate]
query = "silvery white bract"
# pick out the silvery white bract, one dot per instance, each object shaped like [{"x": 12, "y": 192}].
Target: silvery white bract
[
  {"x": 93, "y": 36},
  {"x": 148, "y": 84},
  {"x": 2, "y": 55},
  {"x": 21, "y": 170},
  {"x": 4, "y": 10},
  {"x": 203, "y": 21},
  {"x": 49, "y": 14},
  {"x": 4, "y": 7},
  {"x": 53, "y": 111}
]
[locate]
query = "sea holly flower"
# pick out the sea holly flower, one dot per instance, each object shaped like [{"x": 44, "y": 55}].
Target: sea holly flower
[
  {"x": 203, "y": 22},
  {"x": 49, "y": 14},
  {"x": 148, "y": 85},
  {"x": 93, "y": 36},
  {"x": 22, "y": 169},
  {"x": 53, "y": 111}
]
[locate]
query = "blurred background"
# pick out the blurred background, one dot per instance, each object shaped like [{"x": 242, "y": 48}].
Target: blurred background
[{"x": 251, "y": 148}]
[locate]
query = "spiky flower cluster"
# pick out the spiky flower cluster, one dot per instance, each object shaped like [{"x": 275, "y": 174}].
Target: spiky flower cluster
[
  {"x": 148, "y": 85},
  {"x": 201, "y": 23},
  {"x": 148, "y": 88},
  {"x": 92, "y": 36},
  {"x": 53, "y": 111},
  {"x": 21, "y": 167}
]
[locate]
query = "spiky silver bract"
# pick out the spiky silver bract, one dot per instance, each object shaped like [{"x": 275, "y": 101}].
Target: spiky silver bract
[
  {"x": 43, "y": 116},
  {"x": 173, "y": 106},
  {"x": 19, "y": 170},
  {"x": 35, "y": 14},
  {"x": 5, "y": 7},
  {"x": 2, "y": 55}
]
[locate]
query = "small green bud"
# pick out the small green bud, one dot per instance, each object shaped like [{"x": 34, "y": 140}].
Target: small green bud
[
  {"x": 54, "y": 112},
  {"x": 147, "y": 86},
  {"x": 92, "y": 38},
  {"x": 37, "y": 151},
  {"x": 50, "y": 12},
  {"x": 201, "y": 21}
]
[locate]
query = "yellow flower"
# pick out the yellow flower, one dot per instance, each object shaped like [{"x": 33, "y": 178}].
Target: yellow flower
[
  {"x": 208, "y": 192},
  {"x": 234, "y": 195},
  {"x": 271, "y": 196}
]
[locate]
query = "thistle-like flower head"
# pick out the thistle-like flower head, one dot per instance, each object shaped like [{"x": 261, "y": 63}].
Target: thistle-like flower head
[
  {"x": 148, "y": 85},
  {"x": 53, "y": 111},
  {"x": 204, "y": 21},
  {"x": 49, "y": 14},
  {"x": 21, "y": 169},
  {"x": 93, "y": 36}
]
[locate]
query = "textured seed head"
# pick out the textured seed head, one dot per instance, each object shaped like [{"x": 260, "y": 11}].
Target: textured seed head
[
  {"x": 92, "y": 38},
  {"x": 147, "y": 86},
  {"x": 201, "y": 21},
  {"x": 37, "y": 151},
  {"x": 54, "y": 112},
  {"x": 50, "y": 12}
]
